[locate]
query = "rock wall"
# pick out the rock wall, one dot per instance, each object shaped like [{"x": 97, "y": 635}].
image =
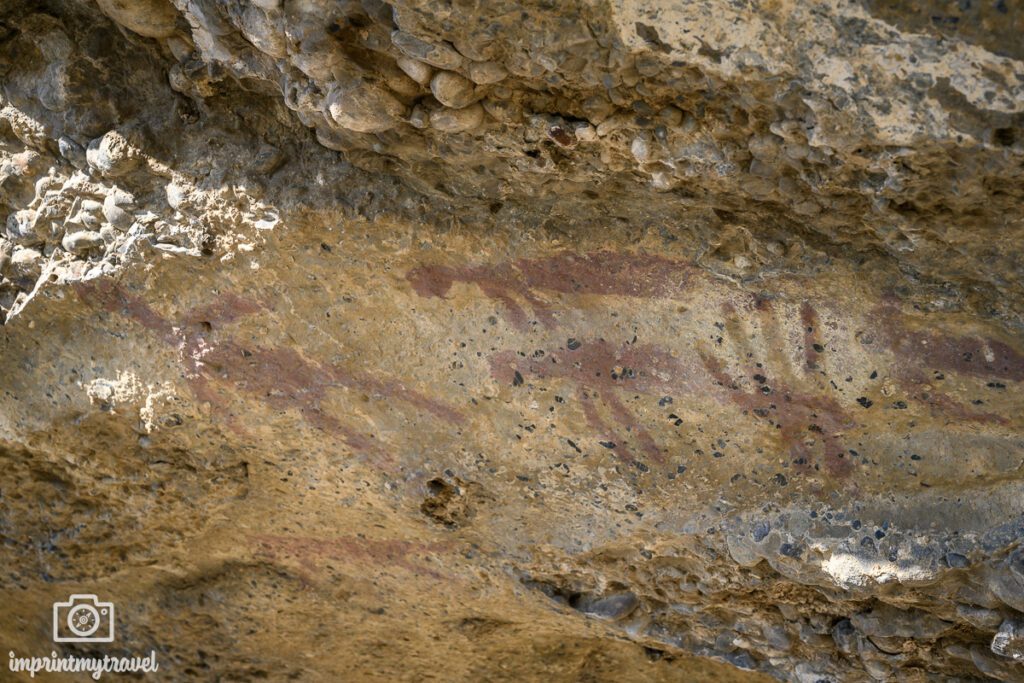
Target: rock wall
[{"x": 474, "y": 340}]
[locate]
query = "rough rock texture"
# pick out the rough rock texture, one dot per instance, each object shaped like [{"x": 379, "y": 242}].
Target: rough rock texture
[{"x": 466, "y": 340}]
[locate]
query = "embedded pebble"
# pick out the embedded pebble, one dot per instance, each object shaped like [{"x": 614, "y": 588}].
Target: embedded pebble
[
  {"x": 439, "y": 55},
  {"x": 487, "y": 73},
  {"x": 267, "y": 160},
  {"x": 176, "y": 195},
  {"x": 91, "y": 206},
  {"x": 457, "y": 120},
  {"x": 115, "y": 209},
  {"x": 584, "y": 132},
  {"x": 613, "y": 607},
  {"x": 261, "y": 30},
  {"x": 886, "y": 621},
  {"x": 979, "y": 617},
  {"x": 670, "y": 116},
  {"x": 398, "y": 82},
  {"x": 1015, "y": 562},
  {"x": 149, "y": 18},
  {"x": 108, "y": 234},
  {"x": 21, "y": 226},
  {"x": 416, "y": 70},
  {"x": 688, "y": 123},
  {"x": 365, "y": 108},
  {"x": 81, "y": 241},
  {"x": 72, "y": 151},
  {"x": 845, "y": 636},
  {"x": 5, "y": 255},
  {"x": 116, "y": 216},
  {"x": 452, "y": 90},
  {"x": 503, "y": 110},
  {"x": 1009, "y": 640},
  {"x": 954, "y": 560},
  {"x": 418, "y": 118},
  {"x": 640, "y": 149},
  {"x": 26, "y": 261},
  {"x": 111, "y": 155},
  {"x": 84, "y": 219},
  {"x": 611, "y": 124}
]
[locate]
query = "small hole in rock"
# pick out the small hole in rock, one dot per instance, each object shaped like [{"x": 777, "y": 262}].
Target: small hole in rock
[{"x": 1004, "y": 137}]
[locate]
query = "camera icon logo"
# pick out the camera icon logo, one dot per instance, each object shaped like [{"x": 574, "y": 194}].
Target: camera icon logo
[{"x": 83, "y": 619}]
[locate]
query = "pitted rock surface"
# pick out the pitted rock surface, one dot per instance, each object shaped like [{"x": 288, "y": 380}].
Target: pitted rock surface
[{"x": 516, "y": 341}]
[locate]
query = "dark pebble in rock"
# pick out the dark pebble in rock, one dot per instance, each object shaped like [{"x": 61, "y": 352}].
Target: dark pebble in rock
[
  {"x": 957, "y": 561},
  {"x": 613, "y": 607},
  {"x": 789, "y": 550},
  {"x": 845, "y": 635},
  {"x": 741, "y": 659}
]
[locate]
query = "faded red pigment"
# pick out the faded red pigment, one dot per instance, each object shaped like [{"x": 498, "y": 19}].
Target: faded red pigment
[
  {"x": 276, "y": 376},
  {"x": 925, "y": 357},
  {"x": 602, "y": 273},
  {"x": 801, "y": 415},
  {"x": 644, "y": 369}
]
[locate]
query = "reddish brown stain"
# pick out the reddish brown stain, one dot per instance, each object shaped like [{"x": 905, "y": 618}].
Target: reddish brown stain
[
  {"x": 654, "y": 369},
  {"x": 796, "y": 416},
  {"x": 921, "y": 354},
  {"x": 963, "y": 355},
  {"x": 391, "y": 388},
  {"x": 277, "y": 376},
  {"x": 643, "y": 276},
  {"x": 626, "y": 419},
  {"x": 801, "y": 416},
  {"x": 311, "y": 552},
  {"x": 968, "y": 355},
  {"x": 601, "y": 371},
  {"x": 809, "y": 320},
  {"x": 112, "y": 298},
  {"x": 520, "y": 282},
  {"x": 229, "y": 308}
]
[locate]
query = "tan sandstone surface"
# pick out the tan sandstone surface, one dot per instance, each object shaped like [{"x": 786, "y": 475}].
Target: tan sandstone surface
[{"x": 554, "y": 341}]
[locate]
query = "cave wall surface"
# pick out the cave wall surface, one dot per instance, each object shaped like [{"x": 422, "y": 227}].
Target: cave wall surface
[{"x": 479, "y": 340}]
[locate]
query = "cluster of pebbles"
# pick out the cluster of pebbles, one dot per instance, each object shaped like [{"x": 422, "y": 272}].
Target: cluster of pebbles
[
  {"x": 513, "y": 105},
  {"x": 86, "y": 211},
  {"x": 76, "y": 211},
  {"x": 505, "y": 102}
]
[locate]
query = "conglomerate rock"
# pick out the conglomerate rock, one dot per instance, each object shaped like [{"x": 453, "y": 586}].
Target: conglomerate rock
[{"x": 461, "y": 340}]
